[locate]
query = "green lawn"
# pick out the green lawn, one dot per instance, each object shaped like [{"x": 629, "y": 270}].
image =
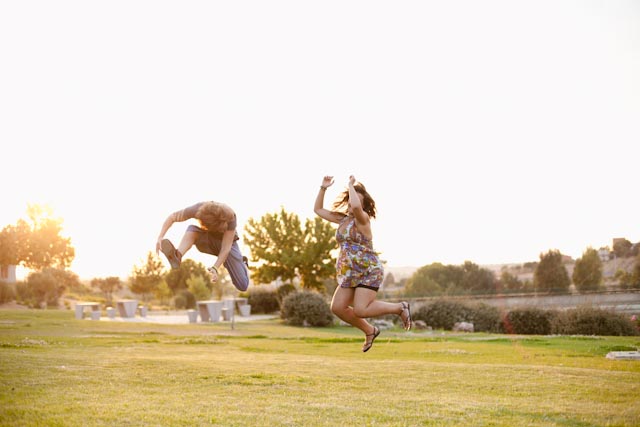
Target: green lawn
[{"x": 58, "y": 371}]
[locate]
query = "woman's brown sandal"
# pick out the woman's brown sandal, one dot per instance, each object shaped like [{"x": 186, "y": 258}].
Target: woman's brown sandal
[
  {"x": 406, "y": 319},
  {"x": 368, "y": 344}
]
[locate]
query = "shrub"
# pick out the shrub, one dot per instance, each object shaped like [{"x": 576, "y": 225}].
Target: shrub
[
  {"x": 283, "y": 291},
  {"x": 306, "y": 308},
  {"x": 7, "y": 292},
  {"x": 485, "y": 318},
  {"x": 263, "y": 301},
  {"x": 593, "y": 321},
  {"x": 530, "y": 321},
  {"x": 184, "y": 299},
  {"x": 43, "y": 288},
  {"x": 443, "y": 313}
]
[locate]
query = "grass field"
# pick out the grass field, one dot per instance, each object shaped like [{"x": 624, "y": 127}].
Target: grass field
[{"x": 59, "y": 371}]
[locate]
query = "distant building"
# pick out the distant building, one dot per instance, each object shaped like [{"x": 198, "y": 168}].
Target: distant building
[
  {"x": 618, "y": 240},
  {"x": 8, "y": 273}
]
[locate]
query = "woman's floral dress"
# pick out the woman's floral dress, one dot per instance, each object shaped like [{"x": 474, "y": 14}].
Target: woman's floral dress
[{"x": 358, "y": 264}]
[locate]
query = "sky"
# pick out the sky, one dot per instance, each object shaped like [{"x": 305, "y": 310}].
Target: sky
[{"x": 488, "y": 131}]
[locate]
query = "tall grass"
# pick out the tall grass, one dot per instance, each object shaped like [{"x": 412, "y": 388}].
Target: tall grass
[{"x": 58, "y": 371}]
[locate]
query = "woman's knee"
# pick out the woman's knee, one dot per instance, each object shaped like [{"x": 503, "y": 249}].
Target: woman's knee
[
  {"x": 360, "y": 311},
  {"x": 338, "y": 309}
]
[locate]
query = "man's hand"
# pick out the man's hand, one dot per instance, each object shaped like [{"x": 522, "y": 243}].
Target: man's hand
[{"x": 214, "y": 274}]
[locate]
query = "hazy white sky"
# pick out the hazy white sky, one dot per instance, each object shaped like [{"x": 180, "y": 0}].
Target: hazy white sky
[{"x": 488, "y": 131}]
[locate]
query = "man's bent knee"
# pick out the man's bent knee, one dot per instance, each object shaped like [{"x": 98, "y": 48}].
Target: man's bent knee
[{"x": 242, "y": 285}]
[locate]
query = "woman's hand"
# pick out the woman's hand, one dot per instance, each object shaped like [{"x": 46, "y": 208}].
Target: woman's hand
[
  {"x": 352, "y": 180},
  {"x": 327, "y": 181}
]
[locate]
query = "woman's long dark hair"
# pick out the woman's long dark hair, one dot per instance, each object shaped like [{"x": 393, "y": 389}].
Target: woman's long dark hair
[{"x": 368, "y": 204}]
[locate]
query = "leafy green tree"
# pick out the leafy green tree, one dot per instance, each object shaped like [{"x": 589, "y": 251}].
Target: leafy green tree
[
  {"x": 198, "y": 287},
  {"x": 146, "y": 277},
  {"x": 446, "y": 276},
  {"x": 622, "y": 248},
  {"x": 550, "y": 275},
  {"x": 437, "y": 279},
  {"x": 510, "y": 282},
  {"x": 108, "y": 286},
  {"x": 624, "y": 278},
  {"x": 421, "y": 285},
  {"x": 587, "y": 273},
  {"x": 476, "y": 279},
  {"x": 629, "y": 279},
  {"x": 177, "y": 278},
  {"x": 36, "y": 243},
  {"x": 13, "y": 243},
  {"x": 162, "y": 292},
  {"x": 285, "y": 250},
  {"x": 45, "y": 246},
  {"x": 431, "y": 279}
]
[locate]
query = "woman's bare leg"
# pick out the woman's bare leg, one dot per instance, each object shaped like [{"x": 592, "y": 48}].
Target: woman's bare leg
[
  {"x": 366, "y": 305},
  {"x": 341, "y": 307}
]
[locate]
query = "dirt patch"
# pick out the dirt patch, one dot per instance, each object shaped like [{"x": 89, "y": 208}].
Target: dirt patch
[{"x": 13, "y": 306}]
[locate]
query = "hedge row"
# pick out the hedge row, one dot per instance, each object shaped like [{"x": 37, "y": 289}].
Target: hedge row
[{"x": 443, "y": 314}]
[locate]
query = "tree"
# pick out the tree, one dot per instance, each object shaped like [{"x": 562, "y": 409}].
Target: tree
[
  {"x": 198, "y": 287},
  {"x": 477, "y": 279},
  {"x": 13, "y": 240},
  {"x": 389, "y": 280},
  {"x": 36, "y": 243},
  {"x": 162, "y": 292},
  {"x": 624, "y": 278},
  {"x": 446, "y": 276},
  {"x": 587, "y": 273},
  {"x": 146, "y": 277},
  {"x": 550, "y": 274},
  {"x": 177, "y": 278},
  {"x": 427, "y": 280},
  {"x": 622, "y": 248},
  {"x": 286, "y": 250},
  {"x": 107, "y": 286},
  {"x": 45, "y": 247},
  {"x": 510, "y": 282},
  {"x": 316, "y": 263},
  {"x": 420, "y": 285}
]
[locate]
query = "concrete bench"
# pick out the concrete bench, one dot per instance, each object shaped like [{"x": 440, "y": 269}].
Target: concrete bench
[
  {"x": 241, "y": 301},
  {"x": 127, "y": 307},
  {"x": 243, "y": 306},
  {"x": 193, "y": 316},
  {"x": 245, "y": 310},
  {"x": 95, "y": 310},
  {"x": 210, "y": 311}
]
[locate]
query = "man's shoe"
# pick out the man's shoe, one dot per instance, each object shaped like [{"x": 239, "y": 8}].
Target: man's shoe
[{"x": 173, "y": 256}]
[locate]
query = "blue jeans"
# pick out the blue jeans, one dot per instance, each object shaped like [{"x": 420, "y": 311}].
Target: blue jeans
[{"x": 211, "y": 243}]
